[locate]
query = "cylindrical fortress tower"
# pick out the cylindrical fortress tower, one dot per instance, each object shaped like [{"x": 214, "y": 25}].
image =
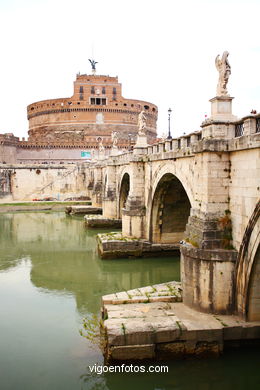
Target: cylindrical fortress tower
[{"x": 95, "y": 110}]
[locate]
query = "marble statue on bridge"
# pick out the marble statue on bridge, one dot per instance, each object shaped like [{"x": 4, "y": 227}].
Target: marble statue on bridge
[
  {"x": 224, "y": 70},
  {"x": 142, "y": 123}
]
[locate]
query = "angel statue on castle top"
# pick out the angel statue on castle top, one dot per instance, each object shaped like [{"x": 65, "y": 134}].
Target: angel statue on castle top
[{"x": 93, "y": 65}]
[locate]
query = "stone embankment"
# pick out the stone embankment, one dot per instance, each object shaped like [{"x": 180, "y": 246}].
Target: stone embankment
[
  {"x": 36, "y": 206},
  {"x": 152, "y": 323}
]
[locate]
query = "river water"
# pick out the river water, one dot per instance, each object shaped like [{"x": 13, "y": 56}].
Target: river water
[{"x": 50, "y": 279}]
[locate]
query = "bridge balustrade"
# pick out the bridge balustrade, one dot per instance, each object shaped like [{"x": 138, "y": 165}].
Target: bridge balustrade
[
  {"x": 239, "y": 129},
  {"x": 257, "y": 125}
]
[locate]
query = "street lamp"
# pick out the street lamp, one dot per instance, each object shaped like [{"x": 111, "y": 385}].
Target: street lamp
[{"x": 169, "y": 122}]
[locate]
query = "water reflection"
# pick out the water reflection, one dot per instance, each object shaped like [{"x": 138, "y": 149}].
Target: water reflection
[
  {"x": 47, "y": 263},
  {"x": 64, "y": 259},
  {"x": 232, "y": 371}
]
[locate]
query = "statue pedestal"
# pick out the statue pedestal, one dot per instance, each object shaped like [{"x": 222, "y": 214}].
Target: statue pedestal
[
  {"x": 141, "y": 144},
  {"x": 141, "y": 141},
  {"x": 114, "y": 151},
  {"x": 221, "y": 109},
  {"x": 101, "y": 155}
]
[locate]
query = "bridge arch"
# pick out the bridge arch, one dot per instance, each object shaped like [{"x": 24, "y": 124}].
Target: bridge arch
[
  {"x": 124, "y": 188},
  {"x": 248, "y": 270},
  {"x": 169, "y": 209}
]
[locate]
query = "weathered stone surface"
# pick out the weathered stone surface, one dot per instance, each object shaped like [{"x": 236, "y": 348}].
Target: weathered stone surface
[
  {"x": 83, "y": 210},
  {"x": 114, "y": 245},
  {"x": 138, "y": 331},
  {"x": 208, "y": 278},
  {"x": 132, "y": 352},
  {"x": 166, "y": 329},
  {"x": 98, "y": 221},
  {"x": 115, "y": 331},
  {"x": 164, "y": 292},
  {"x": 175, "y": 329}
]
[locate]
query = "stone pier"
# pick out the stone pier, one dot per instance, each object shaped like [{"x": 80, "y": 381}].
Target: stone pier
[
  {"x": 99, "y": 221},
  {"x": 83, "y": 209},
  {"x": 152, "y": 323},
  {"x": 114, "y": 245}
]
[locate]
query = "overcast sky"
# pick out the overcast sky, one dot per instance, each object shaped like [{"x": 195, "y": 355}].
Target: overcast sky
[{"x": 162, "y": 51}]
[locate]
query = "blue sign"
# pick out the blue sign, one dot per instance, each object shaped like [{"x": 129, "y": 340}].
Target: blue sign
[{"x": 85, "y": 155}]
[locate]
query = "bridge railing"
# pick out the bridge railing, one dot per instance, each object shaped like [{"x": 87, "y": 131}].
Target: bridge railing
[
  {"x": 175, "y": 144},
  {"x": 244, "y": 127},
  {"x": 247, "y": 126}
]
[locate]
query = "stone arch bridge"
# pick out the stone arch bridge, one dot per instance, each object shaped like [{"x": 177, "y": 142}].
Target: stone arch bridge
[{"x": 201, "y": 192}]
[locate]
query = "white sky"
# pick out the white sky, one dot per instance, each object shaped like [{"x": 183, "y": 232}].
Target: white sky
[{"x": 162, "y": 51}]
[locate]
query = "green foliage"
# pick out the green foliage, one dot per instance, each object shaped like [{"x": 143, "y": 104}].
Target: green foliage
[
  {"x": 94, "y": 331},
  {"x": 222, "y": 322}
]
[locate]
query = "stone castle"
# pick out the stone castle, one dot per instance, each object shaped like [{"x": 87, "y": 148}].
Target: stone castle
[{"x": 60, "y": 130}]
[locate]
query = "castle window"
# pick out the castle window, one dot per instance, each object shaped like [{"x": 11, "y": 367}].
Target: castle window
[
  {"x": 114, "y": 91},
  {"x": 98, "y": 101},
  {"x": 146, "y": 107},
  {"x": 103, "y": 90},
  {"x": 81, "y": 89},
  {"x": 92, "y": 89},
  {"x": 80, "y": 97}
]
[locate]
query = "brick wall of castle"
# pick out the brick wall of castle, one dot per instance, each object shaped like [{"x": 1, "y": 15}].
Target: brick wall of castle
[{"x": 95, "y": 110}]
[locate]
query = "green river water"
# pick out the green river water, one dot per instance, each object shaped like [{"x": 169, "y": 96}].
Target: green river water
[{"x": 50, "y": 279}]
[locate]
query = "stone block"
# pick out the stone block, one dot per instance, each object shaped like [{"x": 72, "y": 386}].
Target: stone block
[
  {"x": 232, "y": 332},
  {"x": 251, "y": 331},
  {"x": 108, "y": 299},
  {"x": 138, "y": 332},
  {"x": 122, "y": 296},
  {"x": 115, "y": 331},
  {"x": 147, "y": 289},
  {"x": 165, "y": 330},
  {"x": 132, "y": 352},
  {"x": 170, "y": 350}
]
